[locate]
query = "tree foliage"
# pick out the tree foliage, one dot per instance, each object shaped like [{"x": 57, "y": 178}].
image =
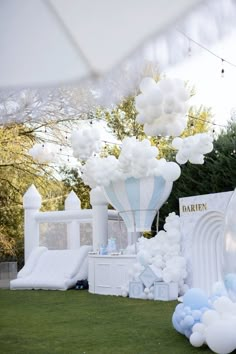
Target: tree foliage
[
  {"x": 17, "y": 172},
  {"x": 217, "y": 174},
  {"x": 73, "y": 181}
]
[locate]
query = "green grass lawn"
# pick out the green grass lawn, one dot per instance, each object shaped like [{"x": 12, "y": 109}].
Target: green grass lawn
[{"x": 73, "y": 321}]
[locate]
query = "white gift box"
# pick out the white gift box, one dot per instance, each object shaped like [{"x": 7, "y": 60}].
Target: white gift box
[
  {"x": 149, "y": 276},
  {"x": 165, "y": 291},
  {"x": 136, "y": 289}
]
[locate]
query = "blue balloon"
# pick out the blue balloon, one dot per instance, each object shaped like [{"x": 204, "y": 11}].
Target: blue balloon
[
  {"x": 230, "y": 281},
  {"x": 176, "y": 324},
  {"x": 188, "y": 333},
  {"x": 187, "y": 310},
  {"x": 179, "y": 307},
  {"x": 177, "y": 316},
  {"x": 195, "y": 298},
  {"x": 196, "y": 315},
  {"x": 188, "y": 321}
]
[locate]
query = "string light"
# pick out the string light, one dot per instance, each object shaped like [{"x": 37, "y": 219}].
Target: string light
[
  {"x": 207, "y": 121},
  {"x": 206, "y": 49},
  {"x": 222, "y": 69},
  {"x": 189, "y": 48}
]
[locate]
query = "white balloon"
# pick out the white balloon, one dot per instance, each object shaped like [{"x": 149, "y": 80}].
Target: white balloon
[
  {"x": 223, "y": 304},
  {"x": 197, "y": 339},
  {"x": 150, "y": 296},
  {"x": 140, "y": 102},
  {"x": 85, "y": 142},
  {"x": 140, "y": 118},
  {"x": 177, "y": 143},
  {"x": 200, "y": 328},
  {"x": 183, "y": 94},
  {"x": 171, "y": 171},
  {"x": 220, "y": 337},
  {"x": 168, "y": 97},
  {"x": 193, "y": 148},
  {"x": 181, "y": 159},
  {"x": 147, "y": 85},
  {"x": 43, "y": 153},
  {"x": 166, "y": 85},
  {"x": 209, "y": 317},
  {"x": 155, "y": 96}
]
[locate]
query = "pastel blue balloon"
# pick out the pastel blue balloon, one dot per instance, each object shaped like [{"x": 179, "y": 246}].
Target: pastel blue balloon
[
  {"x": 204, "y": 309},
  {"x": 188, "y": 333},
  {"x": 196, "y": 315},
  {"x": 176, "y": 324},
  {"x": 195, "y": 298},
  {"x": 179, "y": 307},
  {"x": 187, "y": 310},
  {"x": 178, "y": 317},
  {"x": 182, "y": 325},
  {"x": 188, "y": 321},
  {"x": 230, "y": 281}
]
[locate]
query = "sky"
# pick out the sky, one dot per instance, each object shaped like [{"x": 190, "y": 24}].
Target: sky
[{"x": 203, "y": 71}]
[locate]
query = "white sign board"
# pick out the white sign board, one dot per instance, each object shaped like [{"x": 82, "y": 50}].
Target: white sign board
[{"x": 202, "y": 238}]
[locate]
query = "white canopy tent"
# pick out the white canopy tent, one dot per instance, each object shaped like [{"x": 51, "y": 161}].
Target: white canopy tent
[
  {"x": 49, "y": 42},
  {"x": 100, "y": 45}
]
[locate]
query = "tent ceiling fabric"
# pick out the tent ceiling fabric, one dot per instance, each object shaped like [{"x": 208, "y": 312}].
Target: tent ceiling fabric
[{"x": 51, "y": 42}]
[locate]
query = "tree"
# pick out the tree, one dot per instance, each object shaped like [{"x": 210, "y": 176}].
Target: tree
[
  {"x": 217, "y": 174},
  {"x": 17, "y": 172},
  {"x": 72, "y": 180}
]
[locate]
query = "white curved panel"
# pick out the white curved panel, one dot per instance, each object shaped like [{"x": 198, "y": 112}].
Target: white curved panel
[
  {"x": 207, "y": 251},
  {"x": 230, "y": 236}
]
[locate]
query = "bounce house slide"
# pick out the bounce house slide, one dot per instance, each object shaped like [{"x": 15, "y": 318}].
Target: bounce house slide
[{"x": 53, "y": 270}]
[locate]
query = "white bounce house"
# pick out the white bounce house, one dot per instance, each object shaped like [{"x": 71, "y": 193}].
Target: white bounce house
[{"x": 59, "y": 269}]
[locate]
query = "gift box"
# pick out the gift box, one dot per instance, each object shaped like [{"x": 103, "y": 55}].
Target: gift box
[
  {"x": 165, "y": 291},
  {"x": 136, "y": 289},
  {"x": 149, "y": 276}
]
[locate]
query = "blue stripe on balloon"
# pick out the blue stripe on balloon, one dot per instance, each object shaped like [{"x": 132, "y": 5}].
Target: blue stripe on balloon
[
  {"x": 132, "y": 186},
  {"x": 158, "y": 190},
  {"x": 111, "y": 193}
]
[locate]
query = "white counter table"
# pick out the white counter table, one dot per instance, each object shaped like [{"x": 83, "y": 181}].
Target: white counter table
[{"x": 108, "y": 274}]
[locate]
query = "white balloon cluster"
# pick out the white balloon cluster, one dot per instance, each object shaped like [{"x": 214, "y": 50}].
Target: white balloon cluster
[
  {"x": 162, "y": 252},
  {"x": 217, "y": 327},
  {"x": 100, "y": 171},
  {"x": 43, "y": 153},
  {"x": 207, "y": 320},
  {"x": 85, "y": 142},
  {"x": 137, "y": 159},
  {"x": 162, "y": 106},
  {"x": 192, "y": 148}
]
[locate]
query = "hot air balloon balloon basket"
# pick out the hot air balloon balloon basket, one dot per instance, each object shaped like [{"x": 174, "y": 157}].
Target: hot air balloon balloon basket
[{"x": 138, "y": 220}]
